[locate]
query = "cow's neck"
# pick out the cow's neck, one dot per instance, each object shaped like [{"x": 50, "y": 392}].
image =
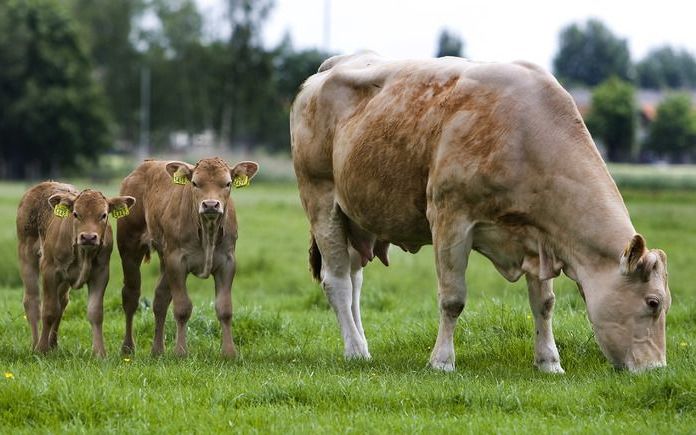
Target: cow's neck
[{"x": 208, "y": 231}]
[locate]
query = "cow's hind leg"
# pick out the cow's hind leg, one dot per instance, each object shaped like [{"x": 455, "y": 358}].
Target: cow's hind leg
[
  {"x": 452, "y": 242},
  {"x": 541, "y": 300},
  {"x": 330, "y": 234},
  {"x": 356, "y": 279},
  {"x": 132, "y": 254}
]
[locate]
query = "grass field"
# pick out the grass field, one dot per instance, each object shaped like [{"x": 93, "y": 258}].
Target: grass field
[{"x": 291, "y": 376}]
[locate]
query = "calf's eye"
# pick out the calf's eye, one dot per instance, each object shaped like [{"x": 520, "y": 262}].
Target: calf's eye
[
  {"x": 653, "y": 302},
  {"x": 103, "y": 216},
  {"x": 194, "y": 184},
  {"x": 75, "y": 214},
  {"x": 229, "y": 183}
]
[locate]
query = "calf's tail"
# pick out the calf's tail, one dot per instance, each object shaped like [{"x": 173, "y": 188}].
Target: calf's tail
[{"x": 314, "y": 259}]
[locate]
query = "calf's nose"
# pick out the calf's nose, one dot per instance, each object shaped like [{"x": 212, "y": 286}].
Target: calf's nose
[
  {"x": 89, "y": 238},
  {"x": 210, "y": 205}
]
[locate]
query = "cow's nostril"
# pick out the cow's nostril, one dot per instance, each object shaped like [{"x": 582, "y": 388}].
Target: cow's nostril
[
  {"x": 88, "y": 237},
  {"x": 211, "y": 204}
]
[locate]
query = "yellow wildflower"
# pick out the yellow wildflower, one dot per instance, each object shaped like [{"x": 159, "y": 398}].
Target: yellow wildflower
[{"x": 9, "y": 375}]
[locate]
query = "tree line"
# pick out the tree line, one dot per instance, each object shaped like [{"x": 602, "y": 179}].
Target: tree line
[{"x": 82, "y": 77}]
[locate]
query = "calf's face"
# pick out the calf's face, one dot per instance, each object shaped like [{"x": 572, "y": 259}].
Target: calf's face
[
  {"x": 211, "y": 181},
  {"x": 88, "y": 212},
  {"x": 629, "y": 322}
]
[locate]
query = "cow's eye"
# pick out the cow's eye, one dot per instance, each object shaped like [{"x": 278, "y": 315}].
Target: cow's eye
[
  {"x": 75, "y": 215},
  {"x": 194, "y": 184},
  {"x": 103, "y": 216},
  {"x": 229, "y": 183},
  {"x": 653, "y": 302}
]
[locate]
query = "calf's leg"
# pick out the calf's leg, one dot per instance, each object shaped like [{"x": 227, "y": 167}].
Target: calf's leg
[
  {"x": 223, "y": 276},
  {"x": 95, "y": 308},
  {"x": 176, "y": 281},
  {"x": 29, "y": 269},
  {"x": 160, "y": 305},
  {"x": 131, "y": 257},
  {"x": 50, "y": 310},
  {"x": 541, "y": 300},
  {"x": 63, "y": 299}
]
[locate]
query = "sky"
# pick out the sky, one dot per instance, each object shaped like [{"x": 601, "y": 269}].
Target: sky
[{"x": 493, "y": 30}]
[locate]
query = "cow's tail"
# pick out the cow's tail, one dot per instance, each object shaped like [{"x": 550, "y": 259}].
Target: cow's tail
[{"x": 314, "y": 259}]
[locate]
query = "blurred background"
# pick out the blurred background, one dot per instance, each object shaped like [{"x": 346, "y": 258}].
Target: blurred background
[{"x": 89, "y": 87}]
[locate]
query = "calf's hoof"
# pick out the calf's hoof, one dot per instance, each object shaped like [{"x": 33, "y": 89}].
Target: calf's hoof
[
  {"x": 127, "y": 348},
  {"x": 180, "y": 351},
  {"x": 229, "y": 352},
  {"x": 357, "y": 351}
]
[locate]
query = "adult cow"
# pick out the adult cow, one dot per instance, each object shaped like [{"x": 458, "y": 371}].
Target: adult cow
[
  {"x": 189, "y": 219},
  {"x": 465, "y": 155},
  {"x": 64, "y": 235}
]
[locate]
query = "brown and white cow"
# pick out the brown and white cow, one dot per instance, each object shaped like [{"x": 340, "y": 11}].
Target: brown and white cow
[
  {"x": 64, "y": 236},
  {"x": 465, "y": 155},
  {"x": 189, "y": 219}
]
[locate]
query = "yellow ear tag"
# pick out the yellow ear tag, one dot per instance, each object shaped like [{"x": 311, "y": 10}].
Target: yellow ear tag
[
  {"x": 180, "y": 179},
  {"x": 61, "y": 210},
  {"x": 240, "y": 181},
  {"x": 120, "y": 212}
]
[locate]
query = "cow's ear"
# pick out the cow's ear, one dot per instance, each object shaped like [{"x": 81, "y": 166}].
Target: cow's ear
[
  {"x": 245, "y": 168},
  {"x": 632, "y": 257},
  {"x": 181, "y": 172},
  {"x": 119, "y": 206},
  {"x": 61, "y": 203}
]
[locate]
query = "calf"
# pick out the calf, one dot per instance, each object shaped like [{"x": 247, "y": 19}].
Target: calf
[
  {"x": 65, "y": 236},
  {"x": 189, "y": 219}
]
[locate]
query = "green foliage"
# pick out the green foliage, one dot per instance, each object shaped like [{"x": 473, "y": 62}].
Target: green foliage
[
  {"x": 589, "y": 54},
  {"x": 51, "y": 110},
  {"x": 449, "y": 44},
  {"x": 613, "y": 118},
  {"x": 291, "y": 376},
  {"x": 666, "y": 67},
  {"x": 673, "y": 133}
]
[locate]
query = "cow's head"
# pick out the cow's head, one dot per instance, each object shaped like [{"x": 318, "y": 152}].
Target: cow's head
[
  {"x": 211, "y": 181},
  {"x": 88, "y": 212},
  {"x": 628, "y": 315}
]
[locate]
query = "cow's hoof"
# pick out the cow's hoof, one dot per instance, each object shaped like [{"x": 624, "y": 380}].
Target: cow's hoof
[
  {"x": 229, "y": 353},
  {"x": 99, "y": 353},
  {"x": 550, "y": 367},
  {"x": 357, "y": 350},
  {"x": 127, "y": 349},
  {"x": 444, "y": 366}
]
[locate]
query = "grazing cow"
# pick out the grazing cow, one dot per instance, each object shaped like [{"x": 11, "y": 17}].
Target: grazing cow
[
  {"x": 189, "y": 219},
  {"x": 465, "y": 155},
  {"x": 65, "y": 236}
]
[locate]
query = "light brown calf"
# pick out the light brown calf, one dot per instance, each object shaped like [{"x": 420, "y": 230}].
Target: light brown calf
[
  {"x": 64, "y": 235},
  {"x": 189, "y": 219}
]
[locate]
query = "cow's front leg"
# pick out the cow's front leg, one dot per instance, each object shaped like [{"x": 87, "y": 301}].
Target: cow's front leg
[
  {"x": 223, "y": 276},
  {"x": 176, "y": 280},
  {"x": 452, "y": 241},
  {"x": 541, "y": 300},
  {"x": 95, "y": 306},
  {"x": 63, "y": 300}
]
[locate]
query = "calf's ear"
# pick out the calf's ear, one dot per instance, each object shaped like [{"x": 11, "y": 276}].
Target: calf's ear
[
  {"x": 61, "y": 203},
  {"x": 244, "y": 168},
  {"x": 181, "y": 172},
  {"x": 120, "y": 206}
]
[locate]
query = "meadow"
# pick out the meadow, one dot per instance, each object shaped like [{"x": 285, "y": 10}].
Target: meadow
[{"x": 291, "y": 376}]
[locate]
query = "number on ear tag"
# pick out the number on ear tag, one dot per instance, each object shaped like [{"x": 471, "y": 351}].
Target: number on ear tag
[
  {"x": 240, "y": 181},
  {"x": 120, "y": 212},
  {"x": 61, "y": 210},
  {"x": 180, "y": 179}
]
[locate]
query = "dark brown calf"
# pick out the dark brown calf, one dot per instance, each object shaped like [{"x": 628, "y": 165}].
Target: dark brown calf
[
  {"x": 189, "y": 219},
  {"x": 64, "y": 235}
]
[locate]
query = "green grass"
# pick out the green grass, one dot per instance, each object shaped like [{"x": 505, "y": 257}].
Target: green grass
[{"x": 291, "y": 376}]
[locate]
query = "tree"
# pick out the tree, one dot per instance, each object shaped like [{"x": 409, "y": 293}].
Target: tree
[
  {"x": 673, "y": 133},
  {"x": 110, "y": 29},
  {"x": 51, "y": 111},
  {"x": 613, "y": 118},
  {"x": 666, "y": 67},
  {"x": 449, "y": 44},
  {"x": 590, "y": 54}
]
